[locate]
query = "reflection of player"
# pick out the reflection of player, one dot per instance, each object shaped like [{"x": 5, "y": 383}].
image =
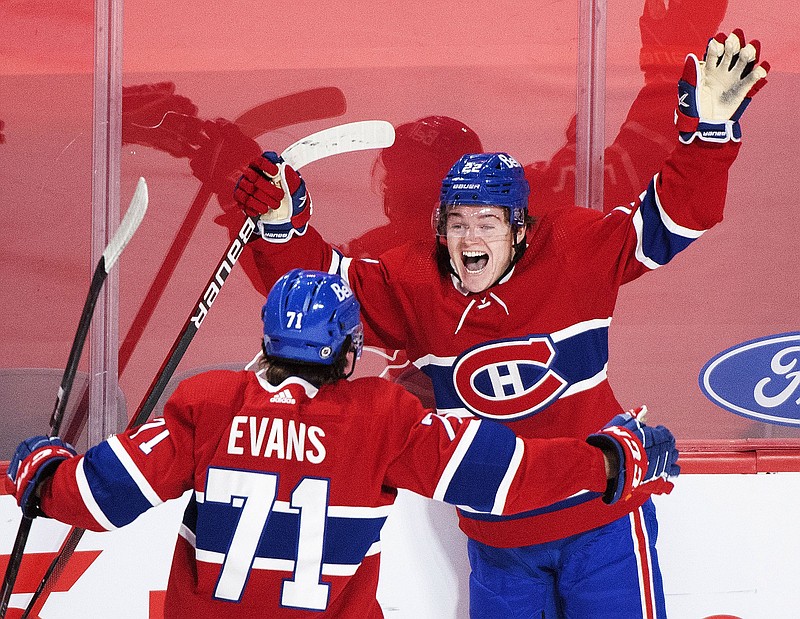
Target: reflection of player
[
  {"x": 293, "y": 468},
  {"x": 510, "y": 321},
  {"x": 409, "y": 174},
  {"x": 410, "y": 171}
]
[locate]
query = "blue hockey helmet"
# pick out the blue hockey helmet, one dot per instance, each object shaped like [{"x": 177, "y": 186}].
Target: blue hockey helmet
[
  {"x": 491, "y": 179},
  {"x": 308, "y": 317}
]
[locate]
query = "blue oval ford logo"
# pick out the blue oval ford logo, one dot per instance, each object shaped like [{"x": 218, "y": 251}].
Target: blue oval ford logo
[{"x": 759, "y": 379}]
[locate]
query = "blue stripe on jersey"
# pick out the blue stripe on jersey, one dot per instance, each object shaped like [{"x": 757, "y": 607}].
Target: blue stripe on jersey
[
  {"x": 483, "y": 467},
  {"x": 658, "y": 243},
  {"x": 570, "y": 502},
  {"x": 112, "y": 487},
  {"x": 577, "y": 358},
  {"x": 347, "y": 540}
]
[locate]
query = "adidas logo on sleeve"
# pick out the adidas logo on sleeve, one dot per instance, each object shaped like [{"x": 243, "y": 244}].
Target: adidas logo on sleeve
[{"x": 283, "y": 397}]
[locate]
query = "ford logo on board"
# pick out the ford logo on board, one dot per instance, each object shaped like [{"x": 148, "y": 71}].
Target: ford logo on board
[{"x": 759, "y": 379}]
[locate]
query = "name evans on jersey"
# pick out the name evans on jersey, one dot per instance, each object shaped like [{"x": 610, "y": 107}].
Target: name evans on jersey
[{"x": 272, "y": 438}]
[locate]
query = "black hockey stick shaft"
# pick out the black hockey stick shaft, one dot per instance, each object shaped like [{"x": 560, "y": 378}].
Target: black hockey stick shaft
[
  {"x": 14, "y": 561},
  {"x": 192, "y": 324},
  {"x": 126, "y": 229},
  {"x": 156, "y": 389}
]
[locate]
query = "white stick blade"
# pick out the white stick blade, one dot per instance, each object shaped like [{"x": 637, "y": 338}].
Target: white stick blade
[
  {"x": 128, "y": 226},
  {"x": 350, "y": 137}
]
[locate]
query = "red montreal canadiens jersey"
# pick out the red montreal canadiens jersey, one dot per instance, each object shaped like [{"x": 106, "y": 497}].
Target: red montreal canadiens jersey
[
  {"x": 290, "y": 486},
  {"x": 532, "y": 351}
]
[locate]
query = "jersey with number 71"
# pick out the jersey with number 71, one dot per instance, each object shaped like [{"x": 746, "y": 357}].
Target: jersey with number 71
[{"x": 290, "y": 486}]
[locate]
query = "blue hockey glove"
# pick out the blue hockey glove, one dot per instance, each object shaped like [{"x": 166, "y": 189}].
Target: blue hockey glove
[
  {"x": 714, "y": 93},
  {"x": 35, "y": 460},
  {"x": 644, "y": 454},
  {"x": 260, "y": 193}
]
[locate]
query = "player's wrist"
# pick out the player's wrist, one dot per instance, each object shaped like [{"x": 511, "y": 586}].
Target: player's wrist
[{"x": 611, "y": 462}]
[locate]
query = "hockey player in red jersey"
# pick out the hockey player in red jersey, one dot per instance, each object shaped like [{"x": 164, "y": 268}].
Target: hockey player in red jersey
[
  {"x": 293, "y": 469},
  {"x": 509, "y": 318}
]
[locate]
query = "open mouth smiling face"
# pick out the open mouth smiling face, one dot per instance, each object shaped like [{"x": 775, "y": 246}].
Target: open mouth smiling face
[{"x": 480, "y": 244}]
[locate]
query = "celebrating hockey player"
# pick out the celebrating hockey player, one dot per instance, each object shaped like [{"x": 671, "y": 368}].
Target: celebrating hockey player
[
  {"x": 509, "y": 318},
  {"x": 292, "y": 469}
]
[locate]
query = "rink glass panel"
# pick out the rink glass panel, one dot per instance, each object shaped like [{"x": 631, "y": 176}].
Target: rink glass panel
[{"x": 509, "y": 71}]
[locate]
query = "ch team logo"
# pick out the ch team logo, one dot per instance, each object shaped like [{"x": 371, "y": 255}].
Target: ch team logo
[{"x": 509, "y": 379}]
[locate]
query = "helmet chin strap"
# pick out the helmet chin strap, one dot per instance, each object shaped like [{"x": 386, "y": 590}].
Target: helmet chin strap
[{"x": 352, "y": 364}]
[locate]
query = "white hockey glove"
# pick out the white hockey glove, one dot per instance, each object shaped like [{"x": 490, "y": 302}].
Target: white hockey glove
[{"x": 713, "y": 93}]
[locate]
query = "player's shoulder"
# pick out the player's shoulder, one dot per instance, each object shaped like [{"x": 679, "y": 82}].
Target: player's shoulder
[
  {"x": 411, "y": 252},
  {"x": 371, "y": 386},
  {"x": 414, "y": 266},
  {"x": 569, "y": 214},
  {"x": 377, "y": 396}
]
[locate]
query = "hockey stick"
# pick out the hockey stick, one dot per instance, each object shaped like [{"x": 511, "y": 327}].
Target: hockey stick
[
  {"x": 126, "y": 229},
  {"x": 345, "y": 138},
  {"x": 303, "y": 106}
]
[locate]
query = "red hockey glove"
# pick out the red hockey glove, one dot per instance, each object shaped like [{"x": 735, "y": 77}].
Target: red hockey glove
[
  {"x": 714, "y": 93},
  {"x": 35, "y": 460},
  {"x": 223, "y": 156},
  {"x": 260, "y": 192},
  {"x": 644, "y": 454}
]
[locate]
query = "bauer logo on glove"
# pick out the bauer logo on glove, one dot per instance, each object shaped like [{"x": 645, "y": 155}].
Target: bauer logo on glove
[{"x": 714, "y": 93}]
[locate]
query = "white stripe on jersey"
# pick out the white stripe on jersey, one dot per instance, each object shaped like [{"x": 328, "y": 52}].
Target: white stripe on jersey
[
  {"x": 336, "y": 260},
  {"x": 580, "y": 327},
  {"x": 589, "y": 383},
  {"x": 669, "y": 224},
  {"x": 556, "y": 336},
  {"x": 502, "y": 491},
  {"x": 346, "y": 511},
  {"x": 434, "y": 360},
  {"x": 467, "y": 508},
  {"x": 88, "y": 498},
  {"x": 187, "y": 534},
  {"x": 279, "y": 565},
  {"x": 334, "y": 511},
  {"x": 136, "y": 475},
  {"x": 455, "y": 460}
]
